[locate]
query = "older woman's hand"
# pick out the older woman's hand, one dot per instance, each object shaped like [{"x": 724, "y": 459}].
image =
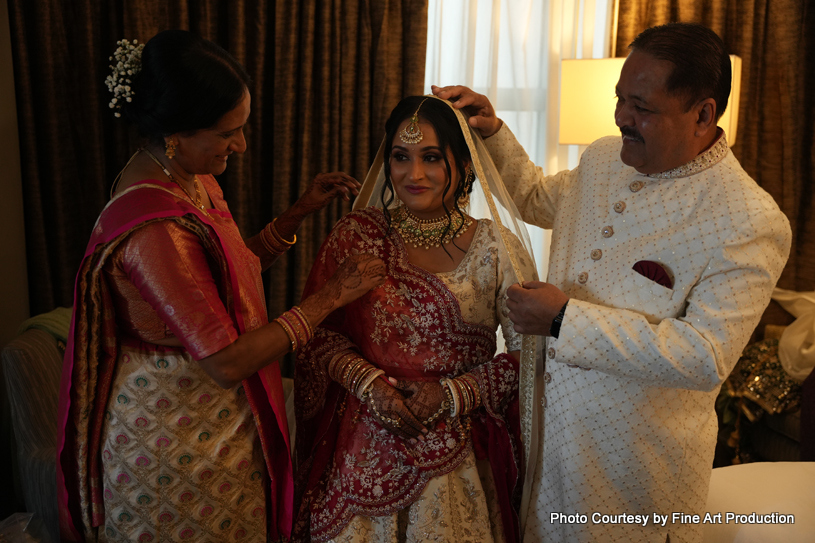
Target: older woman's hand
[
  {"x": 387, "y": 405},
  {"x": 354, "y": 277},
  {"x": 324, "y": 188}
]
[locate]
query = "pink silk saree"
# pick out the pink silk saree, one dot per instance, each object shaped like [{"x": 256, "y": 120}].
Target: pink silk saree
[
  {"x": 412, "y": 328},
  {"x": 92, "y": 351}
]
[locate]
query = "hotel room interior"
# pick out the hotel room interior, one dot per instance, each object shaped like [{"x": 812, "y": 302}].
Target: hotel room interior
[{"x": 324, "y": 77}]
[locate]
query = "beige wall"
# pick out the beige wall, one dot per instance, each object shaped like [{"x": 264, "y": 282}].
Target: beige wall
[{"x": 13, "y": 282}]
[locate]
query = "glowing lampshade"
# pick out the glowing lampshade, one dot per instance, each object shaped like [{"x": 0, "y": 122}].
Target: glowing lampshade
[{"x": 587, "y": 100}]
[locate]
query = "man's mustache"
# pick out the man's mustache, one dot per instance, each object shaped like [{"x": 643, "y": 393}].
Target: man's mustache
[{"x": 631, "y": 133}]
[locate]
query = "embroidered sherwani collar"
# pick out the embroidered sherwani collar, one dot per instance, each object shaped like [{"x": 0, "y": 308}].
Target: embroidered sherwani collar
[{"x": 704, "y": 160}]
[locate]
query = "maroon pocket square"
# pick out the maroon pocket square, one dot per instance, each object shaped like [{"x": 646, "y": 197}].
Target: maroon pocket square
[{"x": 655, "y": 272}]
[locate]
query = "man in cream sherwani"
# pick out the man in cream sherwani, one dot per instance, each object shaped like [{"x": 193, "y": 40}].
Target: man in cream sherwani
[{"x": 635, "y": 359}]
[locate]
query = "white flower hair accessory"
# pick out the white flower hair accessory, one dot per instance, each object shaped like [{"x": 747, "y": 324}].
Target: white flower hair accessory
[{"x": 127, "y": 59}]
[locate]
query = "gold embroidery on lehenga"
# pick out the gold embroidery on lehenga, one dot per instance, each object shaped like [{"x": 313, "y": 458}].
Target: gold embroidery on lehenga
[{"x": 414, "y": 312}]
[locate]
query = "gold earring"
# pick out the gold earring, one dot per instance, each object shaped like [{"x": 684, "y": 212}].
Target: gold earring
[
  {"x": 169, "y": 149},
  {"x": 469, "y": 179}
]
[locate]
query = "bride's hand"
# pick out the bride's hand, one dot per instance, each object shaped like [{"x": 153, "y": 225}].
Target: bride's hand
[
  {"x": 324, "y": 188},
  {"x": 387, "y": 405},
  {"x": 425, "y": 399}
]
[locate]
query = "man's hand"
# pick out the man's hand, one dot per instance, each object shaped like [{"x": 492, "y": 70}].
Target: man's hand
[
  {"x": 477, "y": 106},
  {"x": 533, "y": 306}
]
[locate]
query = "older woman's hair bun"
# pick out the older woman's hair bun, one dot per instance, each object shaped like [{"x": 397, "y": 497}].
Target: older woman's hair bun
[{"x": 186, "y": 83}]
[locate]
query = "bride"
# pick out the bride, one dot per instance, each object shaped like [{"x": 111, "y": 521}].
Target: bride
[{"x": 407, "y": 418}]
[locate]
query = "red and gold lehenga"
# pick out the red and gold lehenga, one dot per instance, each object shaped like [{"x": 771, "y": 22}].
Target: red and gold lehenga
[
  {"x": 150, "y": 448},
  {"x": 417, "y": 326}
]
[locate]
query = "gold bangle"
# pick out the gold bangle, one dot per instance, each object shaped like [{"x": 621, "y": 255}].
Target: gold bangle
[
  {"x": 270, "y": 243},
  {"x": 306, "y": 324},
  {"x": 277, "y": 235},
  {"x": 289, "y": 332},
  {"x": 452, "y": 396},
  {"x": 368, "y": 382},
  {"x": 337, "y": 365}
]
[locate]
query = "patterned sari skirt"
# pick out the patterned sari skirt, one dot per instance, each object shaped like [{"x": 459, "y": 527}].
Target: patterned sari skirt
[{"x": 180, "y": 455}]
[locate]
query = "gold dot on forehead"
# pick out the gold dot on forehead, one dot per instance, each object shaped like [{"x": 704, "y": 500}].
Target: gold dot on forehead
[{"x": 411, "y": 133}]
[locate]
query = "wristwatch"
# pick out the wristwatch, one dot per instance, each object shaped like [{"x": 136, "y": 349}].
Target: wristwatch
[{"x": 554, "y": 330}]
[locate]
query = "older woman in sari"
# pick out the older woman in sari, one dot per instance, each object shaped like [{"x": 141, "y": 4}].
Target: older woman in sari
[
  {"x": 407, "y": 420},
  {"x": 172, "y": 424}
]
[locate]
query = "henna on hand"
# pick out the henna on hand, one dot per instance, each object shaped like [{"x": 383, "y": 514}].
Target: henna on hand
[
  {"x": 355, "y": 276},
  {"x": 387, "y": 405},
  {"x": 423, "y": 398}
]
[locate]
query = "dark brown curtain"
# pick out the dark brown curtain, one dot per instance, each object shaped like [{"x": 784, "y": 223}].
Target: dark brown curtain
[
  {"x": 325, "y": 76},
  {"x": 776, "y": 42}
]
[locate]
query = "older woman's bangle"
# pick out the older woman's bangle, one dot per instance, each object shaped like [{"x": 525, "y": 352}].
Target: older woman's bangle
[
  {"x": 273, "y": 241},
  {"x": 273, "y": 231},
  {"x": 297, "y": 327}
]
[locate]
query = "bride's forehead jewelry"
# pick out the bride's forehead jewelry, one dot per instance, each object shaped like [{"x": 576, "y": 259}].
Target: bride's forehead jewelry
[{"x": 411, "y": 133}]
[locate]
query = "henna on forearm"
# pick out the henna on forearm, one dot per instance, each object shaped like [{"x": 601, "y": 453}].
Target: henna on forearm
[{"x": 354, "y": 277}]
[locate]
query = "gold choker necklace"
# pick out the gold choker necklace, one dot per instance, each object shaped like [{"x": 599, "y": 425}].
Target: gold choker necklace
[
  {"x": 429, "y": 232},
  {"x": 197, "y": 201}
]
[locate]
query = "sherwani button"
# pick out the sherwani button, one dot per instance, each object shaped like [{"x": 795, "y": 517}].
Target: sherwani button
[
  {"x": 636, "y": 186},
  {"x": 607, "y": 231},
  {"x": 596, "y": 254},
  {"x": 619, "y": 207},
  {"x": 543, "y": 401},
  {"x": 547, "y": 377},
  {"x": 551, "y": 352},
  {"x": 582, "y": 277}
]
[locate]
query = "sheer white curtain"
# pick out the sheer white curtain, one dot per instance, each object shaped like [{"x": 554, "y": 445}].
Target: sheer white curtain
[{"x": 510, "y": 50}]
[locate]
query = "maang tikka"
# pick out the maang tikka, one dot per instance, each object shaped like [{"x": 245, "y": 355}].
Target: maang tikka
[{"x": 411, "y": 133}]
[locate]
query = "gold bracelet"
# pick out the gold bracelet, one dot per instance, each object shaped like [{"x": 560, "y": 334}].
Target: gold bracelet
[
  {"x": 302, "y": 317},
  {"x": 289, "y": 332},
  {"x": 277, "y": 236},
  {"x": 338, "y": 365},
  {"x": 452, "y": 396},
  {"x": 393, "y": 422},
  {"x": 270, "y": 243},
  {"x": 445, "y": 405},
  {"x": 367, "y": 383},
  {"x": 297, "y": 327}
]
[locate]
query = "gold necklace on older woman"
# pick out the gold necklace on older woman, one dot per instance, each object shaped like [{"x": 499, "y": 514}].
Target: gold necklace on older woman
[
  {"x": 197, "y": 201},
  {"x": 429, "y": 233}
]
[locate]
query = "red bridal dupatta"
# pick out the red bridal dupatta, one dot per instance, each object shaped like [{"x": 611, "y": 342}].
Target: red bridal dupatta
[
  {"x": 412, "y": 328},
  {"x": 91, "y": 356}
]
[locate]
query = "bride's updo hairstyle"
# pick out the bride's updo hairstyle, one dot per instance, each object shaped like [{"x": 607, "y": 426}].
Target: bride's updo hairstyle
[
  {"x": 438, "y": 114},
  {"x": 186, "y": 83}
]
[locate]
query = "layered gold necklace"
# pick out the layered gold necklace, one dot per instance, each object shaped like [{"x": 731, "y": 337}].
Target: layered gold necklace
[
  {"x": 427, "y": 233},
  {"x": 197, "y": 201}
]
